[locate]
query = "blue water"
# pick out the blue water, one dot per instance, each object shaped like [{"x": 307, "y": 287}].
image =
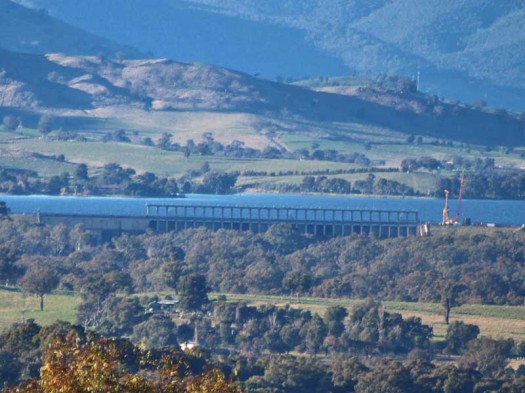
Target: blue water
[{"x": 480, "y": 211}]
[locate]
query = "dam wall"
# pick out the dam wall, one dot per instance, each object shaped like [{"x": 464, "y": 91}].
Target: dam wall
[{"x": 315, "y": 221}]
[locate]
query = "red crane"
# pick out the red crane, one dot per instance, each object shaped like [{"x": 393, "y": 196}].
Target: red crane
[{"x": 460, "y": 199}]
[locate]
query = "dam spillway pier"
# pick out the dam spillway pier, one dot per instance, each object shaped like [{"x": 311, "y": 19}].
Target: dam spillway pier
[
  {"x": 315, "y": 221},
  {"x": 325, "y": 222}
]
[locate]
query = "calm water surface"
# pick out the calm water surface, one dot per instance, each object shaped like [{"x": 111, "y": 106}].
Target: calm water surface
[{"x": 480, "y": 211}]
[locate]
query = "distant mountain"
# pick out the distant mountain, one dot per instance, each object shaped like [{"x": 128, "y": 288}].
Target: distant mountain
[
  {"x": 27, "y": 30},
  {"x": 56, "y": 82},
  {"x": 470, "y": 50},
  {"x": 178, "y": 30}
]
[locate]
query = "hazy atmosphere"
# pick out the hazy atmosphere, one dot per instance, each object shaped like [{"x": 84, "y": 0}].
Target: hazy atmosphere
[{"x": 262, "y": 196}]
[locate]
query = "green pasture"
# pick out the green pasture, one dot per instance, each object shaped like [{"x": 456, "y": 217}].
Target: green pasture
[
  {"x": 378, "y": 144},
  {"x": 423, "y": 182},
  {"x": 18, "y": 307},
  {"x": 394, "y": 151},
  {"x": 164, "y": 163},
  {"x": 45, "y": 167}
]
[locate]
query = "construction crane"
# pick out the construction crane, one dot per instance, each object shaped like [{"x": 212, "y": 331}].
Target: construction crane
[
  {"x": 460, "y": 199},
  {"x": 446, "y": 218}
]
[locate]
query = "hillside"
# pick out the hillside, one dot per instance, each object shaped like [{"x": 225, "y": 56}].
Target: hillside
[
  {"x": 98, "y": 109},
  {"x": 59, "y": 81},
  {"x": 189, "y": 33},
  {"x": 34, "y": 31},
  {"x": 468, "y": 50}
]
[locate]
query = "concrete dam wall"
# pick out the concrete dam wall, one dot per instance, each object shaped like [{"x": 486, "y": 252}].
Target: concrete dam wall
[{"x": 315, "y": 221}]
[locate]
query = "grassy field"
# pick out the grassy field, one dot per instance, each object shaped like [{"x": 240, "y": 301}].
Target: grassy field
[
  {"x": 16, "y": 307},
  {"x": 494, "y": 321},
  {"x": 423, "y": 182},
  {"x": 394, "y": 151},
  {"x": 146, "y": 158},
  {"x": 183, "y": 125},
  {"x": 255, "y": 131}
]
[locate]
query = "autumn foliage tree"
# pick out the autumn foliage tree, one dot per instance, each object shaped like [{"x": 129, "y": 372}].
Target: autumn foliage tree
[{"x": 75, "y": 362}]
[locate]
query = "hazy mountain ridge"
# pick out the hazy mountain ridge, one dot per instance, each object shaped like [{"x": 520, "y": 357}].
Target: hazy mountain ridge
[
  {"x": 434, "y": 32},
  {"x": 467, "y": 49},
  {"x": 34, "y": 31},
  {"x": 471, "y": 42},
  {"x": 190, "y": 33}
]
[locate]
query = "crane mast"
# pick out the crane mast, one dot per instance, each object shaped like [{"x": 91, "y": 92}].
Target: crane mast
[
  {"x": 446, "y": 210},
  {"x": 446, "y": 219},
  {"x": 460, "y": 199}
]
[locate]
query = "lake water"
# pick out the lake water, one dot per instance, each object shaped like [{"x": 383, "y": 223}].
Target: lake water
[{"x": 480, "y": 211}]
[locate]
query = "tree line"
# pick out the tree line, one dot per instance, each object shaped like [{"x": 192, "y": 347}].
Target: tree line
[
  {"x": 487, "y": 265},
  {"x": 254, "y": 342},
  {"x": 113, "y": 179}
]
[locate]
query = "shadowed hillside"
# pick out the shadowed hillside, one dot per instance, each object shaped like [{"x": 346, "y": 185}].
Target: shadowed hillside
[
  {"x": 480, "y": 44},
  {"x": 34, "y": 31},
  {"x": 464, "y": 49},
  {"x": 59, "y": 81}
]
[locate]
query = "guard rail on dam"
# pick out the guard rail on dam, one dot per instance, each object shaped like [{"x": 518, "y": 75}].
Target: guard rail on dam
[{"x": 315, "y": 221}]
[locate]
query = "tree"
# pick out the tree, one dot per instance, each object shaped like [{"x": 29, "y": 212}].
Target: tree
[
  {"x": 10, "y": 122},
  {"x": 487, "y": 355},
  {"x": 289, "y": 374},
  {"x": 76, "y": 362},
  {"x": 39, "y": 280},
  {"x": 450, "y": 297},
  {"x": 82, "y": 172},
  {"x": 8, "y": 257},
  {"x": 218, "y": 182},
  {"x": 334, "y": 318},
  {"x": 172, "y": 269},
  {"x": 297, "y": 282},
  {"x": 284, "y": 238},
  {"x": 390, "y": 377},
  {"x": 4, "y": 210},
  {"x": 120, "y": 315},
  {"x": 9, "y": 368},
  {"x": 315, "y": 333},
  {"x": 212, "y": 381},
  {"x": 346, "y": 373},
  {"x": 458, "y": 335},
  {"x": 205, "y": 167},
  {"x": 164, "y": 141},
  {"x": 45, "y": 124},
  {"x": 157, "y": 331},
  {"x": 459, "y": 381},
  {"x": 193, "y": 292}
]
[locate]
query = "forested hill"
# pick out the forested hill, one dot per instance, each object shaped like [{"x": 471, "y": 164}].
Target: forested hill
[
  {"x": 34, "y": 31},
  {"x": 463, "y": 48}
]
